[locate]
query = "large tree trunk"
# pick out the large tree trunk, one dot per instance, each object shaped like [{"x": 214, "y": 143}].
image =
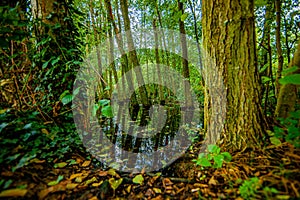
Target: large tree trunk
[{"x": 229, "y": 42}]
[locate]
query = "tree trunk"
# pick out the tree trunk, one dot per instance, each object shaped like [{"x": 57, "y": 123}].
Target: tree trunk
[
  {"x": 278, "y": 45},
  {"x": 229, "y": 42},
  {"x": 184, "y": 60},
  {"x": 288, "y": 97},
  {"x": 132, "y": 54}
]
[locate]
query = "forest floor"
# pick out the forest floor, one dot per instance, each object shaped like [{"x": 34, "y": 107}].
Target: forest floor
[{"x": 277, "y": 170}]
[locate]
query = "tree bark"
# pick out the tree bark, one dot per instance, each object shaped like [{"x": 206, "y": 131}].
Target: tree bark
[
  {"x": 287, "y": 97},
  {"x": 229, "y": 42}
]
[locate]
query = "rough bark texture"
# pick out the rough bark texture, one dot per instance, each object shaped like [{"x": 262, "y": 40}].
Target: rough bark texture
[
  {"x": 229, "y": 42},
  {"x": 288, "y": 97}
]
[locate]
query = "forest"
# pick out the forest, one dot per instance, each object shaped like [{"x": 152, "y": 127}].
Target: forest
[{"x": 150, "y": 99}]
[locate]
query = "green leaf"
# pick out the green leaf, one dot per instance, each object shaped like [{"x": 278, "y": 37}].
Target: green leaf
[
  {"x": 183, "y": 17},
  {"x": 275, "y": 141},
  {"x": 204, "y": 162},
  {"x": 138, "y": 179},
  {"x": 95, "y": 108},
  {"x": 53, "y": 62},
  {"x": 290, "y": 79},
  {"x": 265, "y": 79},
  {"x": 212, "y": 148},
  {"x": 115, "y": 183},
  {"x": 64, "y": 94},
  {"x": 104, "y": 102},
  {"x": 59, "y": 178},
  {"x": 218, "y": 159},
  {"x": 67, "y": 99},
  {"x": 60, "y": 165},
  {"x": 45, "y": 64},
  {"x": 289, "y": 70},
  {"x": 227, "y": 156},
  {"x": 107, "y": 111}
]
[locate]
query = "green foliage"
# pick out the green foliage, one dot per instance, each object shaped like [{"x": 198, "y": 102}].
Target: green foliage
[
  {"x": 11, "y": 26},
  {"x": 249, "y": 188},
  {"x": 290, "y": 79},
  {"x": 25, "y": 137},
  {"x": 214, "y": 158},
  {"x": 106, "y": 110},
  {"x": 291, "y": 129}
]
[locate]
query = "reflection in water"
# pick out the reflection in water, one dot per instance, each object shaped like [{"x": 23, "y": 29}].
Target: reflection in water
[{"x": 156, "y": 129}]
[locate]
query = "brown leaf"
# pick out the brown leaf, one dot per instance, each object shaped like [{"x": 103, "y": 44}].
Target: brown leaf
[
  {"x": 166, "y": 182},
  {"x": 157, "y": 198},
  {"x": 212, "y": 181},
  {"x": 17, "y": 192},
  {"x": 103, "y": 173}
]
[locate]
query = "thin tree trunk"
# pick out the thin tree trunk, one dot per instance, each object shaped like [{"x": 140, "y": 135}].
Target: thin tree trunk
[
  {"x": 185, "y": 64},
  {"x": 160, "y": 89},
  {"x": 132, "y": 54},
  {"x": 278, "y": 44},
  {"x": 98, "y": 53}
]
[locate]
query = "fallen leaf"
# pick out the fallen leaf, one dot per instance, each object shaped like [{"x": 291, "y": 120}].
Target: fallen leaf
[
  {"x": 93, "y": 198},
  {"x": 60, "y": 165},
  {"x": 86, "y": 163},
  {"x": 128, "y": 189},
  {"x": 212, "y": 181},
  {"x": 71, "y": 186},
  {"x": 36, "y": 160},
  {"x": 59, "y": 178},
  {"x": 157, "y": 190},
  {"x": 17, "y": 192},
  {"x": 139, "y": 179},
  {"x": 45, "y": 131},
  {"x": 103, "y": 173},
  {"x": 92, "y": 180},
  {"x": 75, "y": 176},
  {"x": 166, "y": 182},
  {"x": 112, "y": 172},
  {"x": 97, "y": 184},
  {"x": 115, "y": 183}
]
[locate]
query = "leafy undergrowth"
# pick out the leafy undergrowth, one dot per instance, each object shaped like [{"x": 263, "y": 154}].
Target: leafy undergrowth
[{"x": 47, "y": 161}]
